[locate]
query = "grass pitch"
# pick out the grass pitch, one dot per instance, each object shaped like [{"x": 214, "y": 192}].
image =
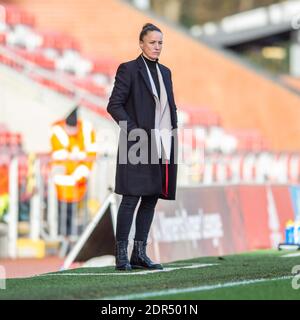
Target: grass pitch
[{"x": 258, "y": 275}]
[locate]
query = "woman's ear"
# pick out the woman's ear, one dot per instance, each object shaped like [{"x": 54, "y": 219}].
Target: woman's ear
[{"x": 141, "y": 44}]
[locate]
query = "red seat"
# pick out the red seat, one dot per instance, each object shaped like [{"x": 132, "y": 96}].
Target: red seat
[
  {"x": 43, "y": 61},
  {"x": 14, "y": 15},
  {"x": 36, "y": 57},
  {"x": 107, "y": 66},
  {"x": 15, "y": 143},
  {"x": 2, "y": 38},
  {"x": 40, "y": 59},
  {"x": 15, "y": 139},
  {"x": 6, "y": 138},
  {"x": 10, "y": 62},
  {"x": 58, "y": 41},
  {"x": 28, "y": 19},
  {"x": 3, "y": 139}
]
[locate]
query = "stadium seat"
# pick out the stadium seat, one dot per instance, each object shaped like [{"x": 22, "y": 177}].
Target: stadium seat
[
  {"x": 24, "y": 37},
  {"x": 106, "y": 66},
  {"x": 15, "y": 143},
  {"x": 53, "y": 51},
  {"x": 37, "y": 57},
  {"x": 10, "y": 142},
  {"x": 102, "y": 80},
  {"x": 43, "y": 61},
  {"x": 58, "y": 41},
  {"x": 2, "y": 38},
  {"x": 71, "y": 61},
  {"x": 14, "y": 15},
  {"x": 3, "y": 143},
  {"x": 28, "y": 19},
  {"x": 6, "y": 137},
  {"x": 10, "y": 62}
]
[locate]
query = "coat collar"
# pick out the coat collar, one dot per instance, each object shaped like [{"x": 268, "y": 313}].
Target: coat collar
[{"x": 143, "y": 71}]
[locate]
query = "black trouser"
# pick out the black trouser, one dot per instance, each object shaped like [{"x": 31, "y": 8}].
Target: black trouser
[{"x": 143, "y": 220}]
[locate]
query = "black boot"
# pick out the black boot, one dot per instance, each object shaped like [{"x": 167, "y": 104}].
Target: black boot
[
  {"x": 139, "y": 259},
  {"x": 122, "y": 262}
]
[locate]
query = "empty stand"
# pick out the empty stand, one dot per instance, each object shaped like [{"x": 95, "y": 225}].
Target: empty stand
[{"x": 71, "y": 73}]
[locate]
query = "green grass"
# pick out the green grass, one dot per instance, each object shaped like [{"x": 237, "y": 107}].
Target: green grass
[
  {"x": 233, "y": 268},
  {"x": 280, "y": 289}
]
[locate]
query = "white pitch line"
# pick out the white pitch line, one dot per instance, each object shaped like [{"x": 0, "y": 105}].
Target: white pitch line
[
  {"x": 131, "y": 273},
  {"x": 192, "y": 289},
  {"x": 291, "y": 255}
]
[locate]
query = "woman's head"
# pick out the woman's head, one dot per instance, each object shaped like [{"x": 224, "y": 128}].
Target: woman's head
[{"x": 151, "y": 40}]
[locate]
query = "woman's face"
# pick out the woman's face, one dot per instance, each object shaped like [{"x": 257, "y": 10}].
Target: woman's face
[{"x": 152, "y": 44}]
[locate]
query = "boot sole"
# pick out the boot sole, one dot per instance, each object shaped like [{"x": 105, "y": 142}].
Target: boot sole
[
  {"x": 144, "y": 268},
  {"x": 123, "y": 269},
  {"x": 138, "y": 267}
]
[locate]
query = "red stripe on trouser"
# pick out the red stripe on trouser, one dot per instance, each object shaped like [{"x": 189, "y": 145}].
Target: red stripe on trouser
[{"x": 167, "y": 179}]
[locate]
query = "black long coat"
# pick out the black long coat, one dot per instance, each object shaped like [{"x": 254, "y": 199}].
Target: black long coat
[{"x": 132, "y": 100}]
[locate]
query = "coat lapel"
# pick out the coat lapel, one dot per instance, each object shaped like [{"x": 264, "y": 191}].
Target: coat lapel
[
  {"x": 163, "y": 91},
  {"x": 143, "y": 71},
  {"x": 166, "y": 81}
]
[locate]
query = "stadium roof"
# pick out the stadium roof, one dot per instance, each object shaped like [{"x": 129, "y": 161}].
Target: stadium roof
[{"x": 251, "y": 25}]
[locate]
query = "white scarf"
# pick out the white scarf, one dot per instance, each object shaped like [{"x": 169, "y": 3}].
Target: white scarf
[{"x": 163, "y": 125}]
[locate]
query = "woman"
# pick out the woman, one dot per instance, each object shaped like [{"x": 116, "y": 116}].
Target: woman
[{"x": 142, "y": 103}]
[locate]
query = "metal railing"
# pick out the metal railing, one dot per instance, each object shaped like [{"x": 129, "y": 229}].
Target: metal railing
[{"x": 47, "y": 218}]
